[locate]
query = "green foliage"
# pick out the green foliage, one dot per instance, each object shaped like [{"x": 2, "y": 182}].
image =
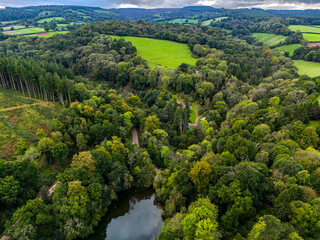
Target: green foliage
[{"x": 9, "y": 190}]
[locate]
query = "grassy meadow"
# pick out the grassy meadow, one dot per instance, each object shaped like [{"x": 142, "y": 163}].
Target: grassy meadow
[
  {"x": 20, "y": 117},
  {"x": 207, "y": 23},
  {"x": 289, "y": 48},
  {"x": 102, "y": 11},
  {"x": 219, "y": 19},
  {"x": 14, "y": 26},
  {"x": 52, "y": 19},
  {"x": 184, "y": 21},
  {"x": 44, "y": 13},
  {"x": 269, "y": 39},
  {"x": 311, "y": 69},
  {"x": 304, "y": 29},
  {"x": 25, "y": 31},
  {"x": 50, "y": 34},
  {"x": 311, "y": 37},
  {"x": 161, "y": 52}
]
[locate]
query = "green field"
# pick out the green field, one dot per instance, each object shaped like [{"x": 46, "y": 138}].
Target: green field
[
  {"x": 269, "y": 39},
  {"x": 184, "y": 21},
  {"x": 52, "y": 19},
  {"x": 20, "y": 117},
  {"x": 14, "y": 26},
  {"x": 161, "y": 52},
  {"x": 220, "y": 19},
  {"x": 44, "y": 13},
  {"x": 47, "y": 36},
  {"x": 311, "y": 69},
  {"x": 207, "y": 23},
  {"x": 304, "y": 29},
  {"x": 311, "y": 37},
  {"x": 102, "y": 11},
  {"x": 289, "y": 48},
  {"x": 26, "y": 31}
]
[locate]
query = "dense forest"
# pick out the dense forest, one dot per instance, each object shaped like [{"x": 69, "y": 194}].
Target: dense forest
[{"x": 248, "y": 168}]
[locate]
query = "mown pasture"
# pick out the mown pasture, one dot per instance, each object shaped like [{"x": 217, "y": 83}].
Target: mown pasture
[
  {"x": 25, "y": 31},
  {"x": 312, "y": 69},
  {"x": 52, "y": 19},
  {"x": 289, "y": 48},
  {"x": 161, "y": 52},
  {"x": 304, "y": 29},
  {"x": 102, "y": 11},
  {"x": 50, "y": 34},
  {"x": 184, "y": 21},
  {"x": 311, "y": 37},
  {"x": 269, "y": 39}
]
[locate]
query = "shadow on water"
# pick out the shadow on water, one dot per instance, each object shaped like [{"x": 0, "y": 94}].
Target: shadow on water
[{"x": 134, "y": 216}]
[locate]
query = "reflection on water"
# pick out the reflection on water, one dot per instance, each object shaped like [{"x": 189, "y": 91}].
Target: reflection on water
[{"x": 132, "y": 217}]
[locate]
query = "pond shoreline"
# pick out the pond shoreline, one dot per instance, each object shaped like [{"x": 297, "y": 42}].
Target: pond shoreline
[{"x": 135, "y": 215}]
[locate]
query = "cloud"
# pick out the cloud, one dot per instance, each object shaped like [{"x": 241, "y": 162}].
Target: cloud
[{"x": 265, "y": 4}]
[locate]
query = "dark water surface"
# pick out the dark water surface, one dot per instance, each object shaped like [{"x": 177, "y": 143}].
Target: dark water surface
[{"x": 134, "y": 216}]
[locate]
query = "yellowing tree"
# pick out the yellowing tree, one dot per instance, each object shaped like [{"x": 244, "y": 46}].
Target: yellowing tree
[
  {"x": 84, "y": 160},
  {"x": 152, "y": 123},
  {"x": 200, "y": 175}
]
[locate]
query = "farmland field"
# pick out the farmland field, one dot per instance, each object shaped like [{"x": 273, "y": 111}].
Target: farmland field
[
  {"x": 50, "y": 34},
  {"x": 20, "y": 117},
  {"x": 50, "y": 19},
  {"x": 289, "y": 48},
  {"x": 219, "y": 19},
  {"x": 102, "y": 11},
  {"x": 25, "y": 31},
  {"x": 304, "y": 29},
  {"x": 311, "y": 69},
  {"x": 269, "y": 39},
  {"x": 15, "y": 27},
  {"x": 207, "y": 23},
  {"x": 161, "y": 52},
  {"x": 184, "y": 20},
  {"x": 311, "y": 37},
  {"x": 44, "y": 13}
]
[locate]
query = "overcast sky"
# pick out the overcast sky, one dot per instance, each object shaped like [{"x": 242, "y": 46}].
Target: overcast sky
[{"x": 266, "y": 4}]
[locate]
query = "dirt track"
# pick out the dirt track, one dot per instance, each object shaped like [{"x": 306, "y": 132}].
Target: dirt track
[{"x": 135, "y": 138}]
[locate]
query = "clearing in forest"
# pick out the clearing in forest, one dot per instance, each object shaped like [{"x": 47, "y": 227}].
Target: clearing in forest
[
  {"x": 269, "y": 39},
  {"x": 101, "y": 11},
  {"x": 20, "y": 117},
  {"x": 48, "y": 34},
  {"x": 304, "y": 29},
  {"x": 25, "y": 31},
  {"x": 289, "y": 48},
  {"x": 161, "y": 52},
  {"x": 52, "y": 19},
  {"x": 184, "y": 21},
  {"x": 311, "y": 69},
  {"x": 311, "y": 37}
]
